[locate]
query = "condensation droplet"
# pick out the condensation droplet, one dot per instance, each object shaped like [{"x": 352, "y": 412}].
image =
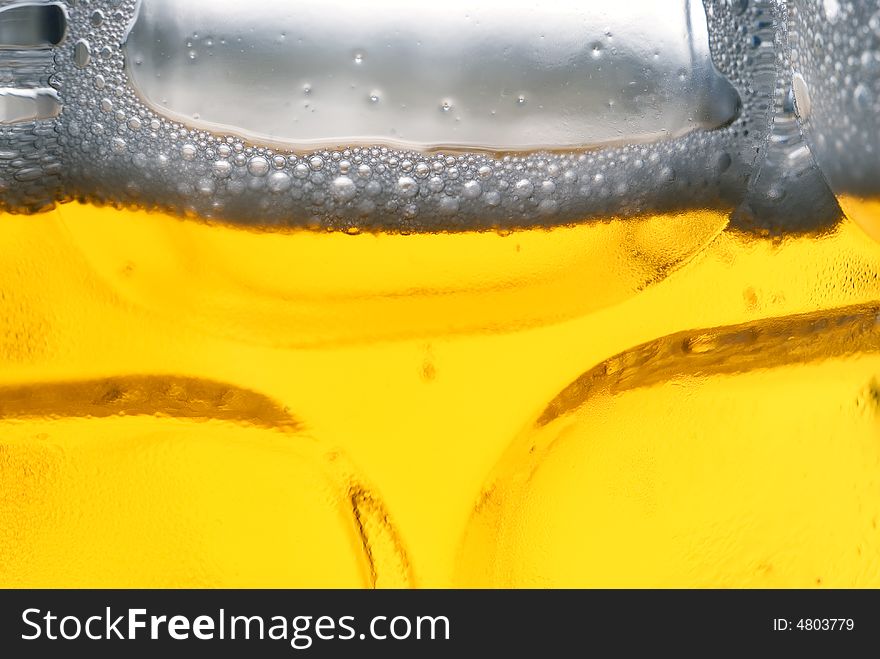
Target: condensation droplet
[
  {"x": 448, "y": 205},
  {"x": 723, "y": 162},
  {"x": 524, "y": 187},
  {"x": 343, "y": 188},
  {"x": 874, "y": 24},
  {"x": 801, "y": 96},
  {"x": 832, "y": 9},
  {"x": 82, "y": 54},
  {"x": 279, "y": 182},
  {"x": 471, "y": 190},
  {"x": 222, "y": 168},
  {"x": 206, "y": 187},
  {"x": 548, "y": 207},
  {"x": 863, "y": 97},
  {"x": 407, "y": 186},
  {"x": 258, "y": 166},
  {"x": 188, "y": 152}
]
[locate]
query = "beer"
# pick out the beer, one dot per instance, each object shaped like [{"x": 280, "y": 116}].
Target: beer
[{"x": 449, "y": 357}]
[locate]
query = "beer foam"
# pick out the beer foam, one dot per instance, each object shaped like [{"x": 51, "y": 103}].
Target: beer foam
[
  {"x": 839, "y": 89},
  {"x": 118, "y": 149}
]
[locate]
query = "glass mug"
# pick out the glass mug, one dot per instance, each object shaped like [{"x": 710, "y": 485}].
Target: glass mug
[{"x": 345, "y": 295}]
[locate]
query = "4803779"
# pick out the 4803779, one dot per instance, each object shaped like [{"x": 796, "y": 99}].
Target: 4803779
[{"x": 814, "y": 624}]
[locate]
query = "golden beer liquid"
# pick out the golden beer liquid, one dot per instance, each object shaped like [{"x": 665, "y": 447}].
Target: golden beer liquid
[{"x": 192, "y": 404}]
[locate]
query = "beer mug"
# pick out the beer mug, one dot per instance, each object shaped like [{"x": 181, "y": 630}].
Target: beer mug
[{"x": 475, "y": 294}]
